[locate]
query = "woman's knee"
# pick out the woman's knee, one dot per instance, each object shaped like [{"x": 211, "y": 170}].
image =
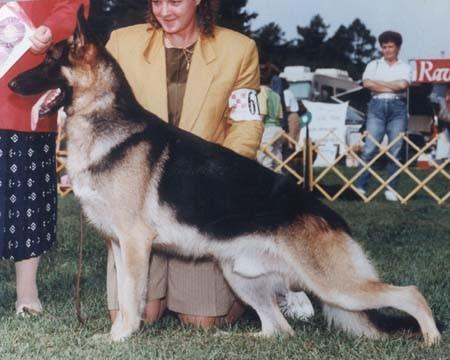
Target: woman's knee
[
  {"x": 206, "y": 322},
  {"x": 199, "y": 321},
  {"x": 236, "y": 311},
  {"x": 154, "y": 310}
]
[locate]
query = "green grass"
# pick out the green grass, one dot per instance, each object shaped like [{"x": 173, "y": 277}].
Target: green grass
[{"x": 409, "y": 244}]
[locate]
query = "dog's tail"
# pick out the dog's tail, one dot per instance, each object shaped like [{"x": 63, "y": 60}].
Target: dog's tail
[
  {"x": 356, "y": 323},
  {"x": 334, "y": 267},
  {"x": 371, "y": 323},
  {"x": 389, "y": 324}
]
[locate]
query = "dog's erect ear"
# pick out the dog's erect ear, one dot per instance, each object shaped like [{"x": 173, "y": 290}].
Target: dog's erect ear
[
  {"x": 83, "y": 44},
  {"x": 82, "y": 32}
]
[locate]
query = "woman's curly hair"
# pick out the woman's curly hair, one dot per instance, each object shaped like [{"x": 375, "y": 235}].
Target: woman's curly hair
[{"x": 206, "y": 16}]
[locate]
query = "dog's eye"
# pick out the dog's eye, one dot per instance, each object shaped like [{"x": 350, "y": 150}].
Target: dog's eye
[{"x": 52, "y": 57}]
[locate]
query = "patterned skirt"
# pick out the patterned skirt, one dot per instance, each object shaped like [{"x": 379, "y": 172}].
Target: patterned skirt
[{"x": 28, "y": 194}]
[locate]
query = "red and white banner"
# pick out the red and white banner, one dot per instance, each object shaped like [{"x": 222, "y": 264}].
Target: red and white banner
[{"x": 431, "y": 70}]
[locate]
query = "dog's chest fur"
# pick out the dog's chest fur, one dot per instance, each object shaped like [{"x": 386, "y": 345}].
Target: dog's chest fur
[
  {"x": 107, "y": 208},
  {"x": 87, "y": 150}
]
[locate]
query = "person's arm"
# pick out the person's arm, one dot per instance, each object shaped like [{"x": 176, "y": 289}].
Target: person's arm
[
  {"x": 368, "y": 78},
  {"x": 279, "y": 109},
  {"x": 262, "y": 102},
  {"x": 386, "y": 86},
  {"x": 293, "y": 104},
  {"x": 60, "y": 23},
  {"x": 244, "y": 137},
  {"x": 378, "y": 86}
]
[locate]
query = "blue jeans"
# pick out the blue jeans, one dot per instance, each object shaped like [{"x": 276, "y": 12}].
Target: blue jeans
[{"x": 384, "y": 116}]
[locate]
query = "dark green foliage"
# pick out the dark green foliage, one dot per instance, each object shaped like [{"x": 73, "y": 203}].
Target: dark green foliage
[
  {"x": 349, "y": 48},
  {"x": 271, "y": 44},
  {"x": 310, "y": 45},
  {"x": 107, "y": 15},
  {"x": 233, "y": 16}
]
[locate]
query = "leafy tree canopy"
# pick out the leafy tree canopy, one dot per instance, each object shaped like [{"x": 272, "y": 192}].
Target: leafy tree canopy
[{"x": 349, "y": 48}]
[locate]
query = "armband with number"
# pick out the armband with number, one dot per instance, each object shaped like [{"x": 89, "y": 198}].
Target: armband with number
[{"x": 244, "y": 105}]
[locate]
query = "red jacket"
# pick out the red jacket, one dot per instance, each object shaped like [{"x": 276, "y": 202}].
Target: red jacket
[{"x": 60, "y": 17}]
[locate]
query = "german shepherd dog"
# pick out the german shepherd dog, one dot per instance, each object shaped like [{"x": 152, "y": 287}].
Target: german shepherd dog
[{"x": 145, "y": 183}]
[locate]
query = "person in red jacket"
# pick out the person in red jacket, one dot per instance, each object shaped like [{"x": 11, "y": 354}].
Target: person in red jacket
[{"x": 27, "y": 158}]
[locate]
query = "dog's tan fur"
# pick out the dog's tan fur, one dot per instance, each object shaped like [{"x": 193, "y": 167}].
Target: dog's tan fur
[
  {"x": 123, "y": 201},
  {"x": 335, "y": 268},
  {"x": 306, "y": 254}
]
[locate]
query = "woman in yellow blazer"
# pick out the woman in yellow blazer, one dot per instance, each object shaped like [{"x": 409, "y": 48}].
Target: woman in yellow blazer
[{"x": 204, "y": 79}]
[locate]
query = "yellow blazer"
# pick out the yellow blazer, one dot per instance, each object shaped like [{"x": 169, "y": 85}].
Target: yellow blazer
[{"x": 221, "y": 64}]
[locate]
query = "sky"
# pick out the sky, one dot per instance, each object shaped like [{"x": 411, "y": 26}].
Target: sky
[{"x": 424, "y": 24}]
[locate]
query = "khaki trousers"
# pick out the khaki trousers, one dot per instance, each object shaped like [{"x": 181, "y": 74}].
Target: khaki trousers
[{"x": 191, "y": 287}]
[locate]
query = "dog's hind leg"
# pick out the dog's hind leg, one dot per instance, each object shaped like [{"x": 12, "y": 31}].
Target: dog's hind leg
[
  {"x": 132, "y": 271},
  {"x": 375, "y": 295},
  {"x": 334, "y": 267},
  {"x": 261, "y": 294}
]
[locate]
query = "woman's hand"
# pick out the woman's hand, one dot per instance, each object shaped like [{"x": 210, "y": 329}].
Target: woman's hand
[{"x": 41, "y": 39}]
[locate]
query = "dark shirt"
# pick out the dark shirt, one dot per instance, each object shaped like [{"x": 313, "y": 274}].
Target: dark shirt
[{"x": 177, "y": 69}]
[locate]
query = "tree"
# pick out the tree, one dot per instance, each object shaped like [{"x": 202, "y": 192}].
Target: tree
[
  {"x": 270, "y": 42},
  {"x": 338, "y": 48},
  {"x": 362, "y": 41},
  {"x": 107, "y": 15},
  {"x": 310, "y": 45},
  {"x": 364, "y": 47},
  {"x": 233, "y": 16},
  {"x": 350, "y": 48}
]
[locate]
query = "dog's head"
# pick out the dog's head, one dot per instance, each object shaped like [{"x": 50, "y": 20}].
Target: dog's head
[{"x": 66, "y": 68}]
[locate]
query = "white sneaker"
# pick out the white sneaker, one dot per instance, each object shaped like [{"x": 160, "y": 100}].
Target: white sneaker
[
  {"x": 390, "y": 195},
  {"x": 361, "y": 191}
]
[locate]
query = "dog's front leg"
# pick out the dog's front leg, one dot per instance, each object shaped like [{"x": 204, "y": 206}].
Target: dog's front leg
[
  {"x": 132, "y": 272},
  {"x": 120, "y": 280}
]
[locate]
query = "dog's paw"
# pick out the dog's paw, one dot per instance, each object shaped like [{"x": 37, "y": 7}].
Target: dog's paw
[
  {"x": 120, "y": 334},
  {"x": 296, "y": 305},
  {"x": 119, "y": 330},
  {"x": 432, "y": 339}
]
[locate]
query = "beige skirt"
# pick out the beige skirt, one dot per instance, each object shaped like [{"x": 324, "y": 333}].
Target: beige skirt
[{"x": 191, "y": 287}]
